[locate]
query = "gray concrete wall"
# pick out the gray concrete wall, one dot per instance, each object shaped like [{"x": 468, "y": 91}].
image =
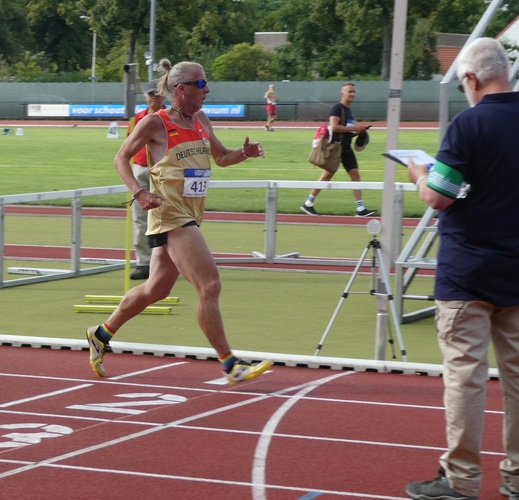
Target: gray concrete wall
[{"x": 298, "y": 100}]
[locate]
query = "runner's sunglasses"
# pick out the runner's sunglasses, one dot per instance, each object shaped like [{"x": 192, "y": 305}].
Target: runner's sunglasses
[{"x": 199, "y": 83}]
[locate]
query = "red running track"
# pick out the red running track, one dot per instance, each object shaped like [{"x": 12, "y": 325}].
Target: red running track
[{"x": 170, "y": 428}]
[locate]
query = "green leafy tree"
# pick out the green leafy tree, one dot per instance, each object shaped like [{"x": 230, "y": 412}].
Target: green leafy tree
[
  {"x": 226, "y": 22},
  {"x": 195, "y": 29},
  {"x": 313, "y": 30},
  {"x": 328, "y": 38},
  {"x": 457, "y": 16},
  {"x": 505, "y": 15},
  {"x": 119, "y": 24},
  {"x": 59, "y": 33},
  {"x": 420, "y": 60},
  {"x": 123, "y": 32},
  {"x": 244, "y": 62},
  {"x": 366, "y": 22},
  {"x": 33, "y": 67},
  {"x": 16, "y": 35},
  {"x": 340, "y": 37},
  {"x": 6, "y": 71},
  {"x": 285, "y": 64},
  {"x": 372, "y": 21}
]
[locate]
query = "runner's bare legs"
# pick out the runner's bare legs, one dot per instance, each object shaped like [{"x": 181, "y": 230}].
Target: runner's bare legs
[{"x": 186, "y": 253}]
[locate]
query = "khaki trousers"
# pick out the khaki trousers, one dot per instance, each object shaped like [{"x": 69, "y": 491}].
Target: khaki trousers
[
  {"x": 140, "y": 218},
  {"x": 465, "y": 330}
]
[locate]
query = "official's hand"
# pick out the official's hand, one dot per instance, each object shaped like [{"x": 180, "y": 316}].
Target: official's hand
[{"x": 416, "y": 171}]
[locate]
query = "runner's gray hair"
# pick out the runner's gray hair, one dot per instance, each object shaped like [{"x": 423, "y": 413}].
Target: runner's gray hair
[{"x": 173, "y": 75}]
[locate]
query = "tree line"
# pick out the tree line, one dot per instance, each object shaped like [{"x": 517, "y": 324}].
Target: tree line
[{"x": 51, "y": 40}]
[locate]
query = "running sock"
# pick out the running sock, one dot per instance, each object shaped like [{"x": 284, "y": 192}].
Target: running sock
[
  {"x": 360, "y": 205},
  {"x": 228, "y": 362},
  {"x": 310, "y": 201},
  {"x": 104, "y": 334}
]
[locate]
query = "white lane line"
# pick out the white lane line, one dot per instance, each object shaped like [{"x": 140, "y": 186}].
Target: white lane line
[
  {"x": 147, "y": 432},
  {"x": 46, "y": 395},
  {"x": 148, "y": 370},
  {"x": 100, "y": 380},
  {"x": 224, "y": 381},
  {"x": 122, "y": 420},
  {"x": 217, "y": 381},
  {"x": 105, "y": 381},
  {"x": 337, "y": 440},
  {"x": 362, "y": 496},
  {"x": 260, "y": 456}
]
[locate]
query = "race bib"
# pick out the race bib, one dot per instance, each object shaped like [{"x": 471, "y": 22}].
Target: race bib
[{"x": 196, "y": 182}]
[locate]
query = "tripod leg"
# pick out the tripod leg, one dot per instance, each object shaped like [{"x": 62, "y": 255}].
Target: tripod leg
[
  {"x": 385, "y": 281},
  {"x": 341, "y": 300}
]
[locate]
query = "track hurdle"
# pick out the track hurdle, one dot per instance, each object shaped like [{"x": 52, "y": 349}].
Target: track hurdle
[{"x": 108, "y": 303}]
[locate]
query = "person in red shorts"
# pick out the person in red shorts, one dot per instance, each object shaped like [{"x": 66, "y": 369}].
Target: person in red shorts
[{"x": 272, "y": 107}]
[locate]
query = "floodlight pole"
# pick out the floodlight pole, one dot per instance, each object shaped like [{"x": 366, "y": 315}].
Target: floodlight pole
[
  {"x": 153, "y": 16},
  {"x": 94, "y": 51},
  {"x": 389, "y": 218}
]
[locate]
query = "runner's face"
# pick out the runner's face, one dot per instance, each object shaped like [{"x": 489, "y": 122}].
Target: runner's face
[{"x": 194, "y": 97}]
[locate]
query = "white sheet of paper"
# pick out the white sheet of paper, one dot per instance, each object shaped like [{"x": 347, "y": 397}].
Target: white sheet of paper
[{"x": 403, "y": 156}]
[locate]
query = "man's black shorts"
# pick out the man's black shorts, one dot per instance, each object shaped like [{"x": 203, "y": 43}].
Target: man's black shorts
[
  {"x": 348, "y": 158},
  {"x": 159, "y": 240}
]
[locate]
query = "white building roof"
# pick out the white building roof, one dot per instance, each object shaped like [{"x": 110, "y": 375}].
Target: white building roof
[{"x": 510, "y": 34}]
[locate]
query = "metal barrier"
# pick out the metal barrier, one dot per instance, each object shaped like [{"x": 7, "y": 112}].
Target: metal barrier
[
  {"x": 76, "y": 197},
  {"x": 271, "y": 187}
]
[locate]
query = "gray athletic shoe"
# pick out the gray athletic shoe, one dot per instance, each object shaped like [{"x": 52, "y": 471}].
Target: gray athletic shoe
[
  {"x": 437, "y": 489},
  {"x": 505, "y": 490}
]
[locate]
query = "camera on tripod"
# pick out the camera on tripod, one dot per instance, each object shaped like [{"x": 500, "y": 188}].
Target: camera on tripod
[{"x": 384, "y": 289}]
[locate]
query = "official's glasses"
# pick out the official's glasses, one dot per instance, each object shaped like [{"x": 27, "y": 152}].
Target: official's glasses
[
  {"x": 461, "y": 88},
  {"x": 199, "y": 83}
]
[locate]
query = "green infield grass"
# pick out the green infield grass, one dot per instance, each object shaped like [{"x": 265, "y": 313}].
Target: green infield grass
[
  {"x": 281, "y": 312},
  {"x": 53, "y": 159}
]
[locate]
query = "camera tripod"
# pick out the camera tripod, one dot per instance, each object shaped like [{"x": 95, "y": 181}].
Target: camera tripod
[{"x": 384, "y": 287}]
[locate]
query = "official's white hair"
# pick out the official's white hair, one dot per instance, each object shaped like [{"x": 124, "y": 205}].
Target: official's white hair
[{"x": 486, "y": 58}]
